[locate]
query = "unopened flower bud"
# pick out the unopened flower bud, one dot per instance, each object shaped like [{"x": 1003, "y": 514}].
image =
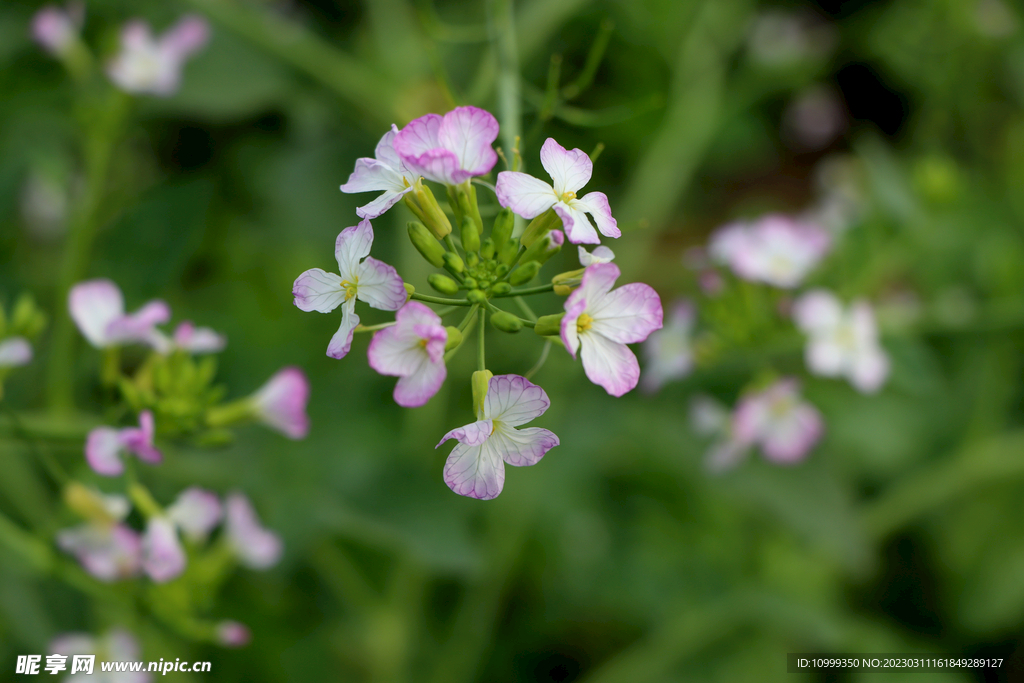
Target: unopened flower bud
[
  {"x": 566, "y": 282},
  {"x": 480, "y": 382},
  {"x": 487, "y": 249},
  {"x": 549, "y": 325},
  {"x": 476, "y": 296},
  {"x": 509, "y": 252},
  {"x": 470, "y": 283},
  {"x": 453, "y": 263},
  {"x": 524, "y": 273},
  {"x": 501, "y": 231},
  {"x": 540, "y": 226},
  {"x": 443, "y": 284},
  {"x": 470, "y": 234},
  {"x": 422, "y": 203},
  {"x": 472, "y": 260},
  {"x": 506, "y": 322},
  {"x": 425, "y": 243},
  {"x": 545, "y": 247},
  {"x": 500, "y": 288},
  {"x": 466, "y": 198},
  {"x": 501, "y": 270},
  {"x": 454, "y": 338}
]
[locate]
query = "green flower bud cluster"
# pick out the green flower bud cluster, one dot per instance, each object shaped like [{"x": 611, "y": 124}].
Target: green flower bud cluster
[
  {"x": 177, "y": 387},
  {"x": 26, "y": 319}
]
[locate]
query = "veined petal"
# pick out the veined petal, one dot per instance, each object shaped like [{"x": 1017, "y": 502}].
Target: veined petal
[
  {"x": 14, "y": 352},
  {"x": 420, "y": 149},
  {"x": 524, "y": 194},
  {"x": 817, "y": 310},
  {"x": 523, "y": 447},
  {"x": 341, "y": 342},
  {"x": 415, "y": 389},
  {"x": 102, "y": 448},
  {"x": 318, "y": 290},
  {"x": 381, "y": 204},
  {"x": 440, "y": 165},
  {"x": 578, "y": 228},
  {"x": 418, "y": 136},
  {"x": 574, "y": 307},
  {"x": 385, "y": 151},
  {"x": 352, "y": 245},
  {"x": 514, "y": 400},
  {"x": 472, "y": 434},
  {"x": 599, "y": 255},
  {"x": 93, "y": 306},
  {"x": 396, "y": 351},
  {"x": 596, "y": 204},
  {"x": 162, "y": 555},
  {"x": 380, "y": 285},
  {"x": 475, "y": 471},
  {"x": 469, "y": 132},
  {"x": 371, "y": 175},
  {"x": 609, "y": 364},
  {"x": 570, "y": 170},
  {"x": 628, "y": 314},
  {"x": 597, "y": 281}
]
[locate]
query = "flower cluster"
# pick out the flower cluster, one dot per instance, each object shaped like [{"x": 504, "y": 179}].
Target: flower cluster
[{"x": 598, "y": 322}]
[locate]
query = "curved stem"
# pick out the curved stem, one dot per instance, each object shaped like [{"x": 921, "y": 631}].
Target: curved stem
[
  {"x": 541, "y": 289},
  {"x": 373, "y": 328},
  {"x": 440, "y": 300}
]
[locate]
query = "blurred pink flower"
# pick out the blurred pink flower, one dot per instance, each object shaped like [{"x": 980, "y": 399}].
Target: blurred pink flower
[
  {"x": 360, "y": 277},
  {"x": 198, "y": 339},
  {"x": 474, "y": 468},
  {"x": 147, "y": 65},
  {"x": 255, "y": 546},
  {"x": 281, "y": 403},
  {"x": 163, "y": 558},
  {"x": 600, "y": 322},
  {"x": 775, "y": 249},
  {"x": 195, "y": 512},
  {"x": 104, "y": 446},
  {"x": 107, "y": 551},
  {"x": 97, "y": 307},
  {"x": 386, "y": 172},
  {"x": 412, "y": 349},
  {"x": 668, "y": 351},
  {"x": 233, "y": 634},
  {"x": 570, "y": 170},
  {"x": 116, "y": 645},
  {"x": 842, "y": 342},
  {"x": 449, "y": 149},
  {"x": 776, "y": 418},
  {"x": 15, "y": 351},
  {"x": 56, "y": 29}
]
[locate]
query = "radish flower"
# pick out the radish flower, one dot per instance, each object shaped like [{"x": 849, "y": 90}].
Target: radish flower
[
  {"x": 256, "y": 547},
  {"x": 107, "y": 551},
  {"x": 386, "y": 172},
  {"x": 15, "y": 351},
  {"x": 163, "y": 558},
  {"x": 369, "y": 280},
  {"x": 599, "y": 255},
  {"x": 104, "y": 446},
  {"x": 569, "y": 171},
  {"x": 600, "y": 322},
  {"x": 412, "y": 349},
  {"x": 147, "y": 65},
  {"x": 449, "y": 149},
  {"x": 97, "y": 307},
  {"x": 195, "y": 512},
  {"x": 281, "y": 403},
  {"x": 776, "y": 250}
]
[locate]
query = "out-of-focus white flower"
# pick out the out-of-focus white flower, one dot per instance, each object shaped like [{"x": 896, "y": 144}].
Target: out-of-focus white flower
[
  {"x": 107, "y": 551},
  {"x": 255, "y": 546},
  {"x": 668, "y": 351},
  {"x": 815, "y": 118},
  {"x": 105, "y": 445},
  {"x": 775, "y": 249},
  {"x": 15, "y": 351},
  {"x": 116, "y": 645},
  {"x": 97, "y": 307},
  {"x": 281, "y": 403},
  {"x": 163, "y": 558},
  {"x": 152, "y": 66}
]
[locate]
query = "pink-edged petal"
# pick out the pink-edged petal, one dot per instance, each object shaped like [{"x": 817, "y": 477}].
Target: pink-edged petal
[
  {"x": 599, "y": 255},
  {"x": 817, "y": 310},
  {"x": 380, "y": 285},
  {"x": 385, "y": 151},
  {"x": 523, "y": 447},
  {"x": 196, "y": 512},
  {"x": 597, "y": 281},
  {"x": 469, "y": 132},
  {"x": 381, "y": 204},
  {"x": 106, "y": 552},
  {"x": 609, "y": 364},
  {"x": 570, "y": 170},
  {"x": 414, "y": 390},
  {"x": 352, "y": 245},
  {"x": 514, "y": 400},
  {"x": 472, "y": 434},
  {"x": 14, "y": 352},
  {"x": 371, "y": 175},
  {"x": 53, "y": 29},
  {"x": 186, "y": 37},
  {"x": 93, "y": 306},
  {"x": 439, "y": 165},
  {"x": 574, "y": 308},
  {"x": 198, "y": 339},
  {"x": 396, "y": 351},
  {"x": 281, "y": 402},
  {"x": 751, "y": 418},
  {"x": 435, "y": 337},
  {"x": 341, "y": 342},
  {"x": 628, "y": 314},
  {"x": 419, "y": 147},
  {"x": 256, "y": 547},
  {"x": 596, "y": 204},
  {"x": 475, "y": 471},
  {"x": 524, "y": 194},
  {"x": 870, "y": 370},
  {"x": 418, "y": 136},
  {"x": 577, "y": 226},
  {"x": 789, "y": 439},
  {"x": 102, "y": 448},
  {"x": 163, "y": 558},
  {"x": 317, "y": 290},
  {"x": 139, "y": 326}
]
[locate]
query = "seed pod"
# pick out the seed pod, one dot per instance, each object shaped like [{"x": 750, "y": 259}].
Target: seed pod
[
  {"x": 476, "y": 296},
  {"x": 549, "y": 325},
  {"x": 454, "y": 338},
  {"x": 524, "y": 273},
  {"x": 500, "y": 288},
  {"x": 470, "y": 234},
  {"x": 426, "y": 244},
  {"x": 453, "y": 263},
  {"x": 506, "y": 322},
  {"x": 443, "y": 283},
  {"x": 501, "y": 231},
  {"x": 509, "y": 252}
]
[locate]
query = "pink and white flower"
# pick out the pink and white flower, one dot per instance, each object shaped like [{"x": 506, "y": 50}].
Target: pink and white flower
[
  {"x": 776, "y": 250},
  {"x": 15, "y": 351},
  {"x": 570, "y": 171},
  {"x": 195, "y": 512},
  {"x": 117, "y": 645},
  {"x": 600, "y": 322},
  {"x": 97, "y": 307},
  {"x": 599, "y": 255},
  {"x": 281, "y": 403},
  {"x": 475, "y": 466},
  {"x": 104, "y": 446},
  {"x": 256, "y": 547},
  {"x": 198, "y": 340},
  {"x": 107, "y": 551},
  {"x": 56, "y": 29},
  {"x": 842, "y": 342},
  {"x": 777, "y": 419},
  {"x": 163, "y": 558},
  {"x": 412, "y": 349},
  {"x": 233, "y": 634},
  {"x": 370, "y": 280},
  {"x": 449, "y": 149},
  {"x": 668, "y": 351},
  {"x": 386, "y": 172},
  {"x": 148, "y": 65}
]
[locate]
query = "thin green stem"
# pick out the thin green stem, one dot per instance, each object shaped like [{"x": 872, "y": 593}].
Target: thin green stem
[
  {"x": 511, "y": 266},
  {"x": 440, "y": 300},
  {"x": 373, "y": 328},
  {"x": 466, "y": 327},
  {"x": 450, "y": 243},
  {"x": 525, "y": 308},
  {"x": 448, "y": 310},
  {"x": 540, "y": 289},
  {"x": 494, "y": 309},
  {"x": 481, "y": 360},
  {"x": 540, "y": 361},
  {"x": 469, "y": 317}
]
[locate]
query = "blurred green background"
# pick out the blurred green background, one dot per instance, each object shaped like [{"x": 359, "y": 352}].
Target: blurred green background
[{"x": 618, "y": 558}]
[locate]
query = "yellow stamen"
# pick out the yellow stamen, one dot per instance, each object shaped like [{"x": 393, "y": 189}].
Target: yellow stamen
[
  {"x": 350, "y": 288},
  {"x": 583, "y": 323},
  {"x": 566, "y": 196}
]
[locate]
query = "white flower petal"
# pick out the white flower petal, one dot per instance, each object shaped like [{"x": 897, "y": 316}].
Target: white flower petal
[
  {"x": 341, "y": 342},
  {"x": 371, "y": 175},
  {"x": 318, "y": 290},
  {"x": 514, "y": 400},
  {"x": 93, "y": 306},
  {"x": 14, "y": 352},
  {"x": 472, "y": 434},
  {"x": 475, "y": 471},
  {"x": 609, "y": 364},
  {"x": 380, "y": 285},
  {"x": 381, "y": 204},
  {"x": 352, "y": 245},
  {"x": 163, "y": 558},
  {"x": 817, "y": 310},
  {"x": 596, "y": 204},
  {"x": 570, "y": 170},
  {"x": 524, "y": 194},
  {"x": 578, "y": 228},
  {"x": 626, "y": 315},
  {"x": 522, "y": 447}
]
